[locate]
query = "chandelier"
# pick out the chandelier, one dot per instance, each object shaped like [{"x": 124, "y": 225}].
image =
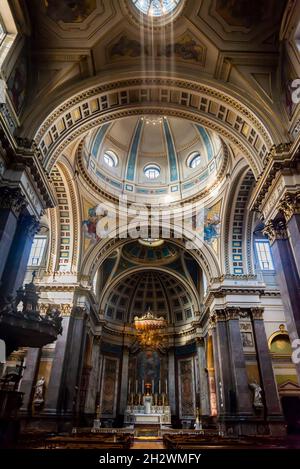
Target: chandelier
[{"x": 150, "y": 330}]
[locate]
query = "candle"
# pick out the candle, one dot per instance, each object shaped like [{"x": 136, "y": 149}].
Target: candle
[
  {"x": 166, "y": 386},
  {"x": 142, "y": 386},
  {"x": 136, "y": 386},
  {"x": 152, "y": 386},
  {"x": 129, "y": 386},
  {"x": 159, "y": 386}
]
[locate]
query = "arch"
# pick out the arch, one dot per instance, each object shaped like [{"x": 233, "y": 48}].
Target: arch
[
  {"x": 236, "y": 228},
  {"x": 221, "y": 110},
  {"x": 64, "y": 244},
  {"x": 204, "y": 254}
]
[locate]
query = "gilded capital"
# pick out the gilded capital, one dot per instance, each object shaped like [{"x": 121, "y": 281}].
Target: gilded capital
[
  {"x": 290, "y": 205},
  {"x": 275, "y": 229}
]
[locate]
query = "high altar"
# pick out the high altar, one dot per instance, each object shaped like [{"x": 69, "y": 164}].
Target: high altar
[{"x": 151, "y": 411}]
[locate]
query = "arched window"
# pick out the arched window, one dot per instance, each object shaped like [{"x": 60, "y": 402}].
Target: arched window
[
  {"x": 152, "y": 171},
  {"x": 111, "y": 159},
  {"x": 194, "y": 160}
]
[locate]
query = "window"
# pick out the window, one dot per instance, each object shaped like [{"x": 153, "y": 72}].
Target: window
[
  {"x": 152, "y": 171},
  {"x": 194, "y": 159},
  {"x": 156, "y": 7},
  {"x": 264, "y": 255},
  {"x": 111, "y": 159},
  {"x": 37, "y": 251},
  {"x": 2, "y": 32}
]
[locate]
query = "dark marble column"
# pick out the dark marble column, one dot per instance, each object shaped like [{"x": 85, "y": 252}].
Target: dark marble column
[
  {"x": 32, "y": 361},
  {"x": 203, "y": 381},
  {"x": 12, "y": 202},
  {"x": 224, "y": 385},
  {"x": 17, "y": 260},
  {"x": 124, "y": 381},
  {"x": 272, "y": 403},
  {"x": 287, "y": 275},
  {"x": 74, "y": 359},
  {"x": 53, "y": 394},
  {"x": 241, "y": 397},
  {"x": 171, "y": 380}
]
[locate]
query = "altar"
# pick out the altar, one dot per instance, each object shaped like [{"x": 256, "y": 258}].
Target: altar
[{"x": 148, "y": 413}]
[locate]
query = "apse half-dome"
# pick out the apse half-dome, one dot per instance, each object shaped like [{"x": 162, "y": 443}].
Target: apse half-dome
[
  {"x": 153, "y": 157},
  {"x": 161, "y": 292}
]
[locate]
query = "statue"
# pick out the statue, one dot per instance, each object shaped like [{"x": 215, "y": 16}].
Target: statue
[
  {"x": 257, "y": 395},
  {"x": 38, "y": 398}
]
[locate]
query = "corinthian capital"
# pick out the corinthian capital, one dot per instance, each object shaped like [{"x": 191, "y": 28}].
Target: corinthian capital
[
  {"x": 257, "y": 313},
  {"x": 290, "y": 205},
  {"x": 12, "y": 199},
  {"x": 232, "y": 313},
  {"x": 275, "y": 229}
]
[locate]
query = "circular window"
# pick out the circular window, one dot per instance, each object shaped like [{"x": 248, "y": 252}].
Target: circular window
[
  {"x": 156, "y": 8},
  {"x": 152, "y": 171},
  {"x": 194, "y": 160},
  {"x": 111, "y": 159}
]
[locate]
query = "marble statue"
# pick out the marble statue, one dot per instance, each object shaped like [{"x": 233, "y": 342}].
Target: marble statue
[
  {"x": 257, "y": 395},
  {"x": 38, "y": 398}
]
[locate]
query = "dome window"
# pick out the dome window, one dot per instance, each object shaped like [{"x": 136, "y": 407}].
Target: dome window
[
  {"x": 152, "y": 171},
  {"x": 194, "y": 160},
  {"x": 156, "y": 8},
  {"x": 111, "y": 159}
]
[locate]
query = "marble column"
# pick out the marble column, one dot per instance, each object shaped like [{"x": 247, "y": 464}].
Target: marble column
[
  {"x": 287, "y": 275},
  {"x": 268, "y": 382},
  {"x": 224, "y": 384},
  {"x": 203, "y": 381},
  {"x": 12, "y": 202},
  {"x": 241, "y": 394},
  {"x": 32, "y": 361},
  {"x": 53, "y": 392},
  {"x": 17, "y": 260},
  {"x": 90, "y": 404},
  {"x": 124, "y": 381},
  {"x": 171, "y": 380},
  {"x": 75, "y": 348}
]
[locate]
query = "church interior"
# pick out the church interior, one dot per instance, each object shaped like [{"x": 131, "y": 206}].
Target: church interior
[{"x": 149, "y": 223}]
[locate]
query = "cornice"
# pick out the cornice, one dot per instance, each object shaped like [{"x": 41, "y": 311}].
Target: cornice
[{"x": 284, "y": 155}]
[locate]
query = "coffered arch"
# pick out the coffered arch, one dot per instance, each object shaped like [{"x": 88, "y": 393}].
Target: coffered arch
[{"x": 215, "y": 107}]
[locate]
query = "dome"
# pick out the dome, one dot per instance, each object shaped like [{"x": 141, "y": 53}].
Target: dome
[
  {"x": 140, "y": 253},
  {"x": 163, "y": 293},
  {"x": 156, "y": 8},
  {"x": 162, "y": 158}
]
